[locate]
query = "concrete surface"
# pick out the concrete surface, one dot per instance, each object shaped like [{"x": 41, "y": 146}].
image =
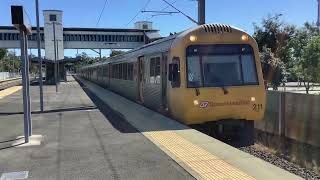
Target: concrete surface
[
  {"x": 79, "y": 140},
  {"x": 186, "y": 142}
]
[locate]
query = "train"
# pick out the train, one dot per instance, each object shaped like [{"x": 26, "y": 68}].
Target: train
[{"x": 208, "y": 76}]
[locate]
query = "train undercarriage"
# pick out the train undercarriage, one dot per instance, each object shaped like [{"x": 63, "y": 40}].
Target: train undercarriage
[{"x": 237, "y": 133}]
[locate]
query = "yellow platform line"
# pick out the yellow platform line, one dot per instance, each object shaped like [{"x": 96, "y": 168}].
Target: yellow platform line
[
  {"x": 198, "y": 159},
  {"x": 8, "y": 91}
]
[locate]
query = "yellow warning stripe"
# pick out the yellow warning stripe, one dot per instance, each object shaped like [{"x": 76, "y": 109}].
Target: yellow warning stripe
[
  {"x": 198, "y": 159},
  {"x": 8, "y": 91}
]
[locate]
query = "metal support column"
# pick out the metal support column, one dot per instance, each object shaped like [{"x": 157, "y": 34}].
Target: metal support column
[
  {"x": 55, "y": 55},
  {"x": 24, "y": 85},
  {"x": 21, "y": 23},
  {"x": 58, "y": 67},
  {"x": 39, "y": 56},
  {"x": 28, "y": 86},
  {"x": 201, "y": 12}
]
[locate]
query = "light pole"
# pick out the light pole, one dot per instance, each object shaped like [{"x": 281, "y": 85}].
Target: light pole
[
  {"x": 39, "y": 56},
  {"x": 55, "y": 55},
  {"x": 58, "y": 67}
]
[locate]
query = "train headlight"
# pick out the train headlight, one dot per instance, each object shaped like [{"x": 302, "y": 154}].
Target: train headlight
[
  {"x": 253, "y": 99},
  {"x": 193, "y": 38},
  {"x": 196, "y": 102},
  {"x": 245, "y": 37}
]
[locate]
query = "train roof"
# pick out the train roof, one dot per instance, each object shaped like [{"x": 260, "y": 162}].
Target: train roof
[{"x": 115, "y": 58}]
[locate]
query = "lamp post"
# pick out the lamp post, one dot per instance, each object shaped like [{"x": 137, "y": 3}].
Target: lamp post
[
  {"x": 55, "y": 55},
  {"x": 58, "y": 67}
]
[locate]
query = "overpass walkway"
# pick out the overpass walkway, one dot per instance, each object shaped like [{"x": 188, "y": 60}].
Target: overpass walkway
[{"x": 92, "y": 133}]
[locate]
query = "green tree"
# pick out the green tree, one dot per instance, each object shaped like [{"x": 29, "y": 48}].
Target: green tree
[
  {"x": 116, "y": 52},
  {"x": 309, "y": 65},
  {"x": 9, "y": 62},
  {"x": 273, "y": 67},
  {"x": 3, "y": 52},
  {"x": 296, "y": 47},
  {"x": 272, "y": 37}
]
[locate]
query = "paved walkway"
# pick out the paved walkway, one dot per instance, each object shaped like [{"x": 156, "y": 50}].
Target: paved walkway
[
  {"x": 80, "y": 141},
  {"x": 202, "y": 156}
]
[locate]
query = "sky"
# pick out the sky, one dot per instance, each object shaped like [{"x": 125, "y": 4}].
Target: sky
[{"x": 119, "y": 13}]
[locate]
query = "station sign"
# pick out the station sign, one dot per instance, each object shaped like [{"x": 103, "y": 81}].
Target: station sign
[{"x": 20, "y": 19}]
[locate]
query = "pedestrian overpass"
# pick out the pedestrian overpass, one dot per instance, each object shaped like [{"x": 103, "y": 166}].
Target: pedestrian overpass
[{"x": 55, "y": 38}]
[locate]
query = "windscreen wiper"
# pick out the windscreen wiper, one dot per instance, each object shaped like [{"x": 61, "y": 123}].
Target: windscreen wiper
[{"x": 225, "y": 90}]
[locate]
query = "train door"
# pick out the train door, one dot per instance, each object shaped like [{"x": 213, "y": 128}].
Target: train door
[
  {"x": 164, "y": 71},
  {"x": 140, "y": 78}
]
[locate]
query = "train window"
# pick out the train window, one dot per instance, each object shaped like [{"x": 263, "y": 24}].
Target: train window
[
  {"x": 194, "y": 74},
  {"x": 249, "y": 69},
  {"x": 130, "y": 71},
  {"x": 115, "y": 71},
  {"x": 174, "y": 72},
  {"x": 157, "y": 67},
  {"x": 155, "y": 70},
  {"x": 220, "y": 66},
  {"x": 152, "y": 67},
  {"x": 112, "y": 71},
  {"x": 125, "y": 71},
  {"x": 120, "y": 71}
]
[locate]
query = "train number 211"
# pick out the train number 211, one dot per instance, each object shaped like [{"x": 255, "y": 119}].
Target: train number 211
[{"x": 257, "y": 107}]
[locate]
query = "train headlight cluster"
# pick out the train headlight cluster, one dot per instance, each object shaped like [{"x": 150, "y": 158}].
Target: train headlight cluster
[
  {"x": 245, "y": 37},
  {"x": 193, "y": 38},
  {"x": 196, "y": 102}
]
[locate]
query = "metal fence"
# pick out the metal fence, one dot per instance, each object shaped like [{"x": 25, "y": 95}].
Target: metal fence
[
  {"x": 295, "y": 116},
  {"x": 8, "y": 75}
]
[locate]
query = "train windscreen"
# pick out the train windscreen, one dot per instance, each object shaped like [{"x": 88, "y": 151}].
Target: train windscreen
[{"x": 221, "y": 65}]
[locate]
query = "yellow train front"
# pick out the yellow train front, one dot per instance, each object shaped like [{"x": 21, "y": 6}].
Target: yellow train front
[
  {"x": 216, "y": 80},
  {"x": 209, "y": 77}
]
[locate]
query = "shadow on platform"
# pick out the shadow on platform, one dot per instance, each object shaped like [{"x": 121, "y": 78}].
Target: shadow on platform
[
  {"x": 119, "y": 121},
  {"x": 116, "y": 119},
  {"x": 83, "y": 108},
  {"x": 6, "y": 142}
]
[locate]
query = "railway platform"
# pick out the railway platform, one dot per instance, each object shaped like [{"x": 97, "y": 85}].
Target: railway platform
[{"x": 91, "y": 133}]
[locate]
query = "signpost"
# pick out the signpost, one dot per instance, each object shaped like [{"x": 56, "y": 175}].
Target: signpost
[{"x": 21, "y": 21}]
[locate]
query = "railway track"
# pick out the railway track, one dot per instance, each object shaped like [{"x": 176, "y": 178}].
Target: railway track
[{"x": 4, "y": 84}]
